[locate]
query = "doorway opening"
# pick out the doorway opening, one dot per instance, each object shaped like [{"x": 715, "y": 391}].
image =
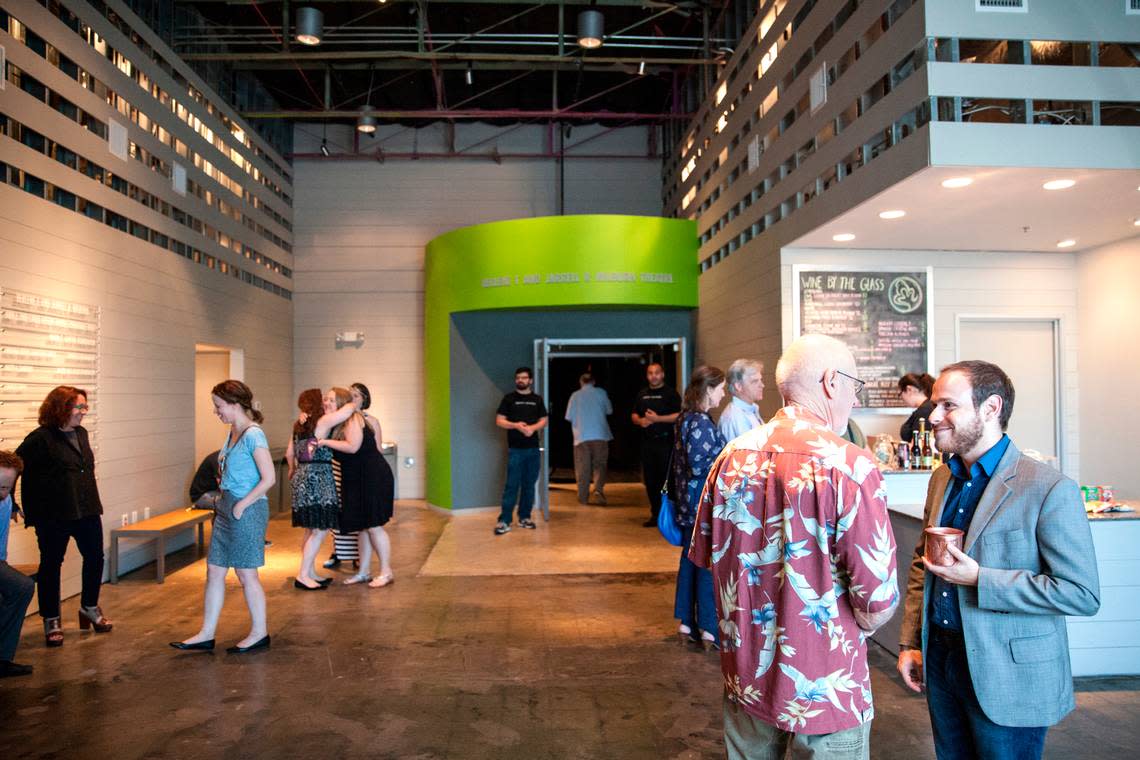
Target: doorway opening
[
  {"x": 618, "y": 366},
  {"x": 212, "y": 365}
]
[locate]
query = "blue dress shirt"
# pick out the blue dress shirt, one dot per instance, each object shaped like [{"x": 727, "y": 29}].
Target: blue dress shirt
[
  {"x": 738, "y": 418},
  {"x": 966, "y": 489}
]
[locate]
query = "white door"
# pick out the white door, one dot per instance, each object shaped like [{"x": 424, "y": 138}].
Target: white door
[{"x": 1027, "y": 349}]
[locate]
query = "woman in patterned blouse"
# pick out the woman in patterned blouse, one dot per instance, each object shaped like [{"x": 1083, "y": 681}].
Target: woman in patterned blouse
[{"x": 697, "y": 444}]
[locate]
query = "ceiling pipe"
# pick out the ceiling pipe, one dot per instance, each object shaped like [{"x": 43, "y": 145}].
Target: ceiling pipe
[{"x": 430, "y": 114}]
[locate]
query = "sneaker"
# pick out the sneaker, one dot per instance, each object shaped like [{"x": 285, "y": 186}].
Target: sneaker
[
  {"x": 501, "y": 528},
  {"x": 599, "y": 498},
  {"x": 528, "y": 524}
]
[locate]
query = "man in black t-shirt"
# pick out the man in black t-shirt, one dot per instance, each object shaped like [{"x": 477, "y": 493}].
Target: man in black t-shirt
[
  {"x": 522, "y": 414},
  {"x": 655, "y": 409}
]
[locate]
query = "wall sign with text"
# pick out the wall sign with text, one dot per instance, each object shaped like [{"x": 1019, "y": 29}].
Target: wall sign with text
[{"x": 883, "y": 316}]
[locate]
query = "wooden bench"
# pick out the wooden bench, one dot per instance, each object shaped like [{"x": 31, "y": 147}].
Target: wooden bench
[
  {"x": 159, "y": 528},
  {"x": 28, "y": 570}
]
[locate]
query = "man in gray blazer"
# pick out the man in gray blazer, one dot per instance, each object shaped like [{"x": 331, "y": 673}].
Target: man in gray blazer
[{"x": 990, "y": 628}]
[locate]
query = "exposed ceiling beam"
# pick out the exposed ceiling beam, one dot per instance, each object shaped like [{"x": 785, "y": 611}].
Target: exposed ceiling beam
[
  {"x": 319, "y": 58},
  {"x": 429, "y": 114},
  {"x": 681, "y": 5},
  {"x": 398, "y": 65}
]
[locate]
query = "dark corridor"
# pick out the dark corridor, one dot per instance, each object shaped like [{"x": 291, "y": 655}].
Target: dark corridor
[{"x": 620, "y": 371}]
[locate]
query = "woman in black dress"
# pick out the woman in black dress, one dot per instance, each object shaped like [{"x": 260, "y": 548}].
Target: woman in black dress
[
  {"x": 61, "y": 501},
  {"x": 366, "y": 484}
]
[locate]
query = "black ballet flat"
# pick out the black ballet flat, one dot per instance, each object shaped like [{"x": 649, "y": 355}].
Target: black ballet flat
[
  {"x": 259, "y": 644},
  {"x": 319, "y": 587},
  {"x": 324, "y": 581},
  {"x": 198, "y": 646}
]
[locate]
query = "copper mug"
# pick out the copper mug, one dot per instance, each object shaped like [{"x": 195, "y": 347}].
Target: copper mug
[{"x": 938, "y": 543}]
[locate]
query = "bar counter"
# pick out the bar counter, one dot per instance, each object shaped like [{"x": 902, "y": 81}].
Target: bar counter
[{"x": 1107, "y": 644}]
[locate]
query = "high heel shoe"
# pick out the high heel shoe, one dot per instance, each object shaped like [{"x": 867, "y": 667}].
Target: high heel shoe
[
  {"x": 53, "y": 632},
  {"x": 92, "y": 617},
  {"x": 685, "y": 636},
  {"x": 197, "y": 646},
  {"x": 709, "y": 645}
]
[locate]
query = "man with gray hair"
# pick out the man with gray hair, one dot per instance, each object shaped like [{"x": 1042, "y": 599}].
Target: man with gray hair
[
  {"x": 793, "y": 523},
  {"x": 746, "y": 386}
]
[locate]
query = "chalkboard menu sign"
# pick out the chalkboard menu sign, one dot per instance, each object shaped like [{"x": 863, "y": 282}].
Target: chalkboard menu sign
[{"x": 882, "y": 315}]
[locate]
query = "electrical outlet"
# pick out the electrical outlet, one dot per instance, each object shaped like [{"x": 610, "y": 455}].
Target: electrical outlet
[
  {"x": 146, "y": 513},
  {"x": 126, "y": 520},
  {"x": 135, "y": 516}
]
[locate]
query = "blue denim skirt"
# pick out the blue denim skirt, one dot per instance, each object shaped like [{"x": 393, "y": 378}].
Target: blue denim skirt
[{"x": 238, "y": 543}]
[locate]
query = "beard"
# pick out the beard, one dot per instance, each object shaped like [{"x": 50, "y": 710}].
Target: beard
[
  {"x": 522, "y": 386},
  {"x": 963, "y": 439}
]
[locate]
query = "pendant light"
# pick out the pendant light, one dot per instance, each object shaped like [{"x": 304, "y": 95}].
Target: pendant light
[{"x": 310, "y": 25}]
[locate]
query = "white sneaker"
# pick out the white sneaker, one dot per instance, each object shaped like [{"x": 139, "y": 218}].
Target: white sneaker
[{"x": 501, "y": 528}]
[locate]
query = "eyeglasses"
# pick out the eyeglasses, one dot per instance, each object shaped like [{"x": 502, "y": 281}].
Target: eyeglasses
[{"x": 858, "y": 383}]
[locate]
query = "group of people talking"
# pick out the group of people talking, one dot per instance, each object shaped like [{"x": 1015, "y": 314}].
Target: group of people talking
[{"x": 340, "y": 481}]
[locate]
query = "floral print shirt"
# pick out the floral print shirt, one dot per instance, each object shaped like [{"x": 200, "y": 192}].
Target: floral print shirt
[
  {"x": 695, "y": 448},
  {"x": 793, "y": 522}
]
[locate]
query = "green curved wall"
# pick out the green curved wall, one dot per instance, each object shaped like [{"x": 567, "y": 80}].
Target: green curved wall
[{"x": 543, "y": 263}]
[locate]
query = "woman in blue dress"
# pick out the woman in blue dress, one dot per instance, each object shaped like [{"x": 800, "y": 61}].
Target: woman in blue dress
[
  {"x": 238, "y": 537},
  {"x": 697, "y": 443}
]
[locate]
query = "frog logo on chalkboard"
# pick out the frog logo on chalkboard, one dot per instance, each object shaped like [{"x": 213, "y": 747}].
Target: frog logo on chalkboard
[{"x": 904, "y": 294}]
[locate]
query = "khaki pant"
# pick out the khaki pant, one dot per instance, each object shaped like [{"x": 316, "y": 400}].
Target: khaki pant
[
  {"x": 590, "y": 458},
  {"x": 747, "y": 738}
]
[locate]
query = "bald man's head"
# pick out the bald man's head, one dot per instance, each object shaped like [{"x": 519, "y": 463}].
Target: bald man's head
[{"x": 801, "y": 368}]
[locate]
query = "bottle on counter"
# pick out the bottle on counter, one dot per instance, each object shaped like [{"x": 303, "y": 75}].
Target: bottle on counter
[
  {"x": 915, "y": 451},
  {"x": 927, "y": 452}
]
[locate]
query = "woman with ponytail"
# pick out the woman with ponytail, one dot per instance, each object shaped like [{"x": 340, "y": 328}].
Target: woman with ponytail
[{"x": 238, "y": 538}]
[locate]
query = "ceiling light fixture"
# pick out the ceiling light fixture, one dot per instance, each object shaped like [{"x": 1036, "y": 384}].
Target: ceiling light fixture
[
  {"x": 956, "y": 182},
  {"x": 896, "y": 213},
  {"x": 591, "y": 28},
  {"x": 843, "y": 237},
  {"x": 641, "y": 68},
  {"x": 325, "y": 148},
  {"x": 1136, "y": 222},
  {"x": 469, "y": 75},
  {"x": 310, "y": 25},
  {"x": 1067, "y": 243},
  {"x": 366, "y": 121},
  {"x": 1059, "y": 184}
]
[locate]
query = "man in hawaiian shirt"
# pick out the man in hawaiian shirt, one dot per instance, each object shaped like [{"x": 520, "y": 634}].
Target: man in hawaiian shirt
[{"x": 793, "y": 523}]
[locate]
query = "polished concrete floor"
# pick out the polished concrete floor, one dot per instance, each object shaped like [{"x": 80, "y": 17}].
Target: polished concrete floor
[{"x": 463, "y": 657}]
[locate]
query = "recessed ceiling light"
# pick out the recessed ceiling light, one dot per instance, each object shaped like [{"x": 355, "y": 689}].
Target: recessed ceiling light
[
  {"x": 843, "y": 237},
  {"x": 954, "y": 182},
  {"x": 1059, "y": 184},
  {"x": 1067, "y": 243},
  {"x": 1136, "y": 222},
  {"x": 896, "y": 213}
]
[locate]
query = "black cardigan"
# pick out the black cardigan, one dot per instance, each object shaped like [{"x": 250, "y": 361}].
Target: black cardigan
[{"x": 58, "y": 481}]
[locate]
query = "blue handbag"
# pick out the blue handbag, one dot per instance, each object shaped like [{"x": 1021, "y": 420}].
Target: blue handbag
[{"x": 667, "y": 520}]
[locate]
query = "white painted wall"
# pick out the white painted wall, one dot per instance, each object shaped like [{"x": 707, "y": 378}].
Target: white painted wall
[
  {"x": 979, "y": 284},
  {"x": 154, "y": 307},
  {"x": 361, "y": 226},
  {"x": 1109, "y": 360}
]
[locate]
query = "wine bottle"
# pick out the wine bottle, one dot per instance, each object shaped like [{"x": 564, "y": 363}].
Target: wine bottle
[{"x": 927, "y": 452}]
